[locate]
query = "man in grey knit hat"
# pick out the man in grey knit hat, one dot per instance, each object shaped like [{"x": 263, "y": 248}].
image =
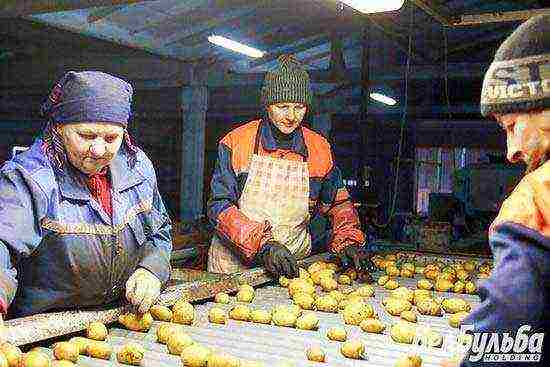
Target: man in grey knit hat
[
  {"x": 515, "y": 299},
  {"x": 272, "y": 174}
]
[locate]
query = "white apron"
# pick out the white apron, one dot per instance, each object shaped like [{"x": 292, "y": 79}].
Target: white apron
[{"x": 277, "y": 191}]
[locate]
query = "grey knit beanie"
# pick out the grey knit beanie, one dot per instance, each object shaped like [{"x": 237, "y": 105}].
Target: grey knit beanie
[
  {"x": 518, "y": 80},
  {"x": 288, "y": 82}
]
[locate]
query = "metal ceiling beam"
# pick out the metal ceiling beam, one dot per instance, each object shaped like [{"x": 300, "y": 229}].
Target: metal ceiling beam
[
  {"x": 17, "y": 8},
  {"x": 434, "y": 11},
  {"x": 508, "y": 16},
  {"x": 101, "y": 13}
]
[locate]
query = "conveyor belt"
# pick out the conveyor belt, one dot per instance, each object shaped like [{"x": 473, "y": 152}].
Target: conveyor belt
[{"x": 273, "y": 345}]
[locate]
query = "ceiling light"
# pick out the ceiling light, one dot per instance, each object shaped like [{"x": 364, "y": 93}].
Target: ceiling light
[
  {"x": 374, "y": 6},
  {"x": 235, "y": 46},
  {"x": 383, "y": 99}
]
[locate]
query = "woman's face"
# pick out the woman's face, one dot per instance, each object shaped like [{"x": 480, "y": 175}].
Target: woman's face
[
  {"x": 91, "y": 146},
  {"x": 287, "y": 116}
]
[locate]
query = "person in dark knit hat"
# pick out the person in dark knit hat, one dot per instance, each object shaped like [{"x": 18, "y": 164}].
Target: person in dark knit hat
[
  {"x": 271, "y": 175},
  {"x": 82, "y": 223},
  {"x": 515, "y": 299}
]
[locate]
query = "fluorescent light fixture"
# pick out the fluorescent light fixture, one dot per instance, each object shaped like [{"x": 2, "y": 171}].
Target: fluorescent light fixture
[
  {"x": 383, "y": 99},
  {"x": 235, "y": 46},
  {"x": 374, "y": 6}
]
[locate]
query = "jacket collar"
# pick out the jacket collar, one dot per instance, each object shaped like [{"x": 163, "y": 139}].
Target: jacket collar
[
  {"x": 268, "y": 141},
  {"x": 72, "y": 183}
]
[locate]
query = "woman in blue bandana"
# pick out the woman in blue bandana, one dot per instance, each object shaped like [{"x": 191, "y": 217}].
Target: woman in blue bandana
[{"x": 82, "y": 223}]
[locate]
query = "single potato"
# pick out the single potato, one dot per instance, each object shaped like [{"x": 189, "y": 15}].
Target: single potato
[
  {"x": 337, "y": 333},
  {"x": 97, "y": 331},
  {"x": 315, "y": 354},
  {"x": 372, "y": 326},
  {"x": 217, "y": 315},
  {"x": 353, "y": 349},
  {"x": 131, "y": 354},
  {"x": 260, "y": 316},
  {"x": 136, "y": 322},
  {"x": 161, "y": 313},
  {"x": 66, "y": 351},
  {"x": 308, "y": 321}
]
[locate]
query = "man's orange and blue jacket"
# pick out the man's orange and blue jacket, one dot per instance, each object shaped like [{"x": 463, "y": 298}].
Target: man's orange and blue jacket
[{"x": 327, "y": 193}]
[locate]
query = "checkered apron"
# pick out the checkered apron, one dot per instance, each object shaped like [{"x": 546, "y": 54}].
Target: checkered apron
[{"x": 276, "y": 190}]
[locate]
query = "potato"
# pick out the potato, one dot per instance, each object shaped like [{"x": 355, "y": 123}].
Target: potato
[
  {"x": 351, "y": 273},
  {"x": 419, "y": 270},
  {"x": 222, "y": 360},
  {"x": 443, "y": 285},
  {"x": 178, "y": 342},
  {"x": 164, "y": 331},
  {"x": 97, "y": 331},
  {"x": 34, "y": 358},
  {"x": 431, "y": 338},
  {"x": 337, "y": 295},
  {"x": 372, "y": 326},
  {"x": 407, "y": 273},
  {"x": 260, "y": 316},
  {"x": 424, "y": 284},
  {"x": 283, "y": 317},
  {"x": 240, "y": 312},
  {"x": 283, "y": 282},
  {"x": 403, "y": 332},
  {"x": 328, "y": 284},
  {"x": 308, "y": 321},
  {"x": 245, "y": 288},
  {"x": 316, "y": 266},
  {"x": 403, "y": 293},
  {"x": 429, "y": 307},
  {"x": 409, "y": 316},
  {"x": 326, "y": 304},
  {"x": 382, "y": 280},
  {"x": 413, "y": 360},
  {"x": 304, "y": 300},
  {"x": 66, "y": 351},
  {"x": 353, "y": 349},
  {"x": 315, "y": 354},
  {"x": 288, "y": 308},
  {"x": 451, "y": 277},
  {"x": 161, "y": 313},
  {"x": 462, "y": 275},
  {"x": 391, "y": 284},
  {"x": 81, "y": 343},
  {"x": 395, "y": 306},
  {"x": 455, "y": 320},
  {"x": 344, "y": 279},
  {"x": 245, "y": 296},
  {"x": 12, "y": 353},
  {"x": 318, "y": 275},
  {"x": 356, "y": 312},
  {"x": 221, "y": 298},
  {"x": 217, "y": 316},
  {"x": 131, "y": 354},
  {"x": 454, "y": 305},
  {"x": 337, "y": 333},
  {"x": 470, "y": 266},
  {"x": 392, "y": 271},
  {"x": 195, "y": 356},
  {"x": 136, "y": 322},
  {"x": 421, "y": 294},
  {"x": 365, "y": 291},
  {"x": 183, "y": 313},
  {"x": 470, "y": 287},
  {"x": 431, "y": 274},
  {"x": 99, "y": 349},
  {"x": 298, "y": 285},
  {"x": 458, "y": 287}
]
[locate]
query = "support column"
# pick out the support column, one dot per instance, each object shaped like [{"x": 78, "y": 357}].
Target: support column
[
  {"x": 194, "y": 106},
  {"x": 322, "y": 116}
]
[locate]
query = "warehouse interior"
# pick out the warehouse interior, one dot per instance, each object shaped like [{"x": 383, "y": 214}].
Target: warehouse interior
[{"x": 428, "y": 173}]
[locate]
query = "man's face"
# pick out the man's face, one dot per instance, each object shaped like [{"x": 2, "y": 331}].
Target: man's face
[
  {"x": 287, "y": 116},
  {"x": 527, "y": 137},
  {"x": 90, "y": 146}
]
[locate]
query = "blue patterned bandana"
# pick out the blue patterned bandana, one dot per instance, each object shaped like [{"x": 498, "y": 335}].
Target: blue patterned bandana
[{"x": 89, "y": 96}]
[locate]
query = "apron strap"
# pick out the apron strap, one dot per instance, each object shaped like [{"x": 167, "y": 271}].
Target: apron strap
[{"x": 257, "y": 140}]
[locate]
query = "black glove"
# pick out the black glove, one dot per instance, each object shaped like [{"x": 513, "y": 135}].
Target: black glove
[
  {"x": 356, "y": 257},
  {"x": 278, "y": 260}
]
